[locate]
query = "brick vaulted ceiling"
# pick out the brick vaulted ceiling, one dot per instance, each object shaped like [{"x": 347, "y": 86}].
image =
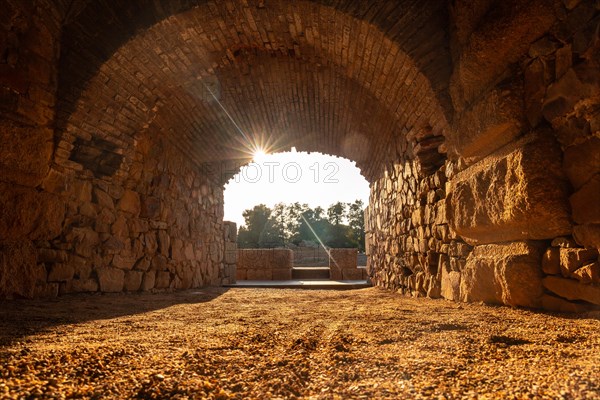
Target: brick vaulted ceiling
[{"x": 350, "y": 78}]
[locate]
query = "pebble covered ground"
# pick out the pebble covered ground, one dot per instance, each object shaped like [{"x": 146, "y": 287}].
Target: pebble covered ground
[{"x": 275, "y": 343}]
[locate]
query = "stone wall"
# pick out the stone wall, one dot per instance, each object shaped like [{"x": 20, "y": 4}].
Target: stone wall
[
  {"x": 512, "y": 216},
  {"x": 230, "y": 258},
  {"x": 410, "y": 245},
  {"x": 153, "y": 223},
  {"x": 343, "y": 265},
  {"x": 264, "y": 264},
  {"x": 476, "y": 122}
]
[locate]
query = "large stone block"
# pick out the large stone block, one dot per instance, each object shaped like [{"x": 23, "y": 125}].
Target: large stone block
[
  {"x": 28, "y": 214},
  {"x": 494, "y": 121},
  {"x": 450, "y": 285},
  {"x": 586, "y": 202},
  {"x": 573, "y": 259},
  {"x": 516, "y": 194},
  {"x": 133, "y": 280},
  {"x": 61, "y": 273},
  {"x": 557, "y": 304},
  {"x": 551, "y": 261},
  {"x": 84, "y": 285},
  {"x": 508, "y": 274},
  {"x": 111, "y": 280},
  {"x": 578, "y": 83},
  {"x": 163, "y": 279},
  {"x": 587, "y": 235},
  {"x": 130, "y": 202},
  {"x": 573, "y": 290},
  {"x": 581, "y": 162},
  {"x": 17, "y": 269},
  {"x": 148, "y": 281}
]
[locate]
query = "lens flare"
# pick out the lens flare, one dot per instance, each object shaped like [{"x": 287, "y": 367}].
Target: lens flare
[{"x": 259, "y": 155}]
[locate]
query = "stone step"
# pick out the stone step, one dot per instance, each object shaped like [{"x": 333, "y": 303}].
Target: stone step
[
  {"x": 307, "y": 273},
  {"x": 302, "y": 284}
]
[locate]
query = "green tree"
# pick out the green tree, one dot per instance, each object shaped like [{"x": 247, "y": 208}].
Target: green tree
[
  {"x": 336, "y": 213},
  {"x": 356, "y": 221},
  {"x": 313, "y": 227},
  {"x": 255, "y": 219},
  {"x": 274, "y": 233},
  {"x": 294, "y": 221}
]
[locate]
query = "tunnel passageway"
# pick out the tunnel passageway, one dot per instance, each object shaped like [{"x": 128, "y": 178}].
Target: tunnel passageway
[{"x": 476, "y": 124}]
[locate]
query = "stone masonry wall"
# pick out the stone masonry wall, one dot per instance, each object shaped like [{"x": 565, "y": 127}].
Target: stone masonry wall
[
  {"x": 410, "y": 246},
  {"x": 265, "y": 264},
  {"x": 154, "y": 224},
  {"x": 484, "y": 163},
  {"x": 343, "y": 265},
  {"x": 230, "y": 259},
  {"x": 512, "y": 216}
]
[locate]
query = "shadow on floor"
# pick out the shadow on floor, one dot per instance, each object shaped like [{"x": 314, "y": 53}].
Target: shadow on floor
[{"x": 22, "y": 318}]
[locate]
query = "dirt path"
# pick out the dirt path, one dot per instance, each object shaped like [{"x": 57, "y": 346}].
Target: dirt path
[{"x": 273, "y": 343}]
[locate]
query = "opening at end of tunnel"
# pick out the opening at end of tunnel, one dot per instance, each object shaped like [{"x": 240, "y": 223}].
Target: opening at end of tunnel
[{"x": 297, "y": 191}]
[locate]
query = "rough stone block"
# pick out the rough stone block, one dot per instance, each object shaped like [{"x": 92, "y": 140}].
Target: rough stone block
[
  {"x": 587, "y": 235},
  {"x": 516, "y": 194},
  {"x": 573, "y": 259},
  {"x": 556, "y": 304},
  {"x": 582, "y": 161},
  {"x": 177, "y": 250},
  {"x": 589, "y": 273},
  {"x": 487, "y": 53},
  {"x": 61, "y": 273},
  {"x": 123, "y": 262},
  {"x": 163, "y": 279},
  {"x": 103, "y": 199},
  {"x": 586, "y": 202},
  {"x": 564, "y": 94},
  {"x": 28, "y": 214},
  {"x": 148, "y": 281},
  {"x": 551, "y": 261},
  {"x": 111, "y": 280},
  {"x": 573, "y": 290},
  {"x": 130, "y": 202},
  {"x": 230, "y": 254},
  {"x": 150, "y": 207},
  {"x": 494, "y": 121},
  {"x": 133, "y": 280},
  {"x": 504, "y": 274},
  {"x": 17, "y": 269},
  {"x": 84, "y": 285},
  {"x": 564, "y": 242},
  {"x": 451, "y": 285},
  {"x": 46, "y": 290}
]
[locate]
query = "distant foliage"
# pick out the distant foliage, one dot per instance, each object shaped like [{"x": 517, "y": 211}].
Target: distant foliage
[{"x": 341, "y": 226}]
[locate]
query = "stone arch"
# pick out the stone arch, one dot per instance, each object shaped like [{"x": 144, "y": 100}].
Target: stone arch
[
  {"x": 308, "y": 42},
  {"x": 120, "y": 87}
]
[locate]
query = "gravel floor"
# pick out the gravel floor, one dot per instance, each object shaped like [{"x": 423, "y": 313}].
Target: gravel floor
[{"x": 277, "y": 343}]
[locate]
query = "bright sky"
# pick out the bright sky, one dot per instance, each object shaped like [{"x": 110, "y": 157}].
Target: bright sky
[{"x": 315, "y": 179}]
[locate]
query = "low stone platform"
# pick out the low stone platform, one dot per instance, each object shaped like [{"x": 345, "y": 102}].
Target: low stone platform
[{"x": 303, "y": 284}]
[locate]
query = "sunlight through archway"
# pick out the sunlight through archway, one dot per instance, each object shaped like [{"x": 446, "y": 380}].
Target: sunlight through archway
[{"x": 315, "y": 179}]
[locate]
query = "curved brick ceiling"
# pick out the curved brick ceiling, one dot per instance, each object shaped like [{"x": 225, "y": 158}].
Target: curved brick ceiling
[{"x": 342, "y": 78}]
